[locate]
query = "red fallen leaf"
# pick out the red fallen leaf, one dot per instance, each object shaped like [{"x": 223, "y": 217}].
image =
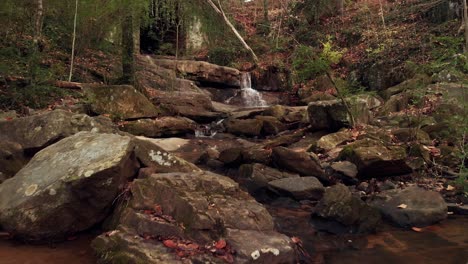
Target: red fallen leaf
[
  {"x": 148, "y": 212},
  {"x": 158, "y": 209},
  {"x": 8, "y": 118},
  {"x": 170, "y": 243},
  {"x": 220, "y": 244},
  {"x": 296, "y": 240}
]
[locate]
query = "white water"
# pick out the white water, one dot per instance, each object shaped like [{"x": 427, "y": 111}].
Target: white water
[{"x": 250, "y": 96}]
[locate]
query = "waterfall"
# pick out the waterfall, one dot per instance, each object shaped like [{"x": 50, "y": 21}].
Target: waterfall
[{"x": 250, "y": 96}]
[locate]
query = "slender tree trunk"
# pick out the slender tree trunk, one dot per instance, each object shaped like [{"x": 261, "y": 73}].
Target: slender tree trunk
[
  {"x": 72, "y": 59},
  {"x": 265, "y": 11},
  {"x": 38, "y": 23},
  {"x": 128, "y": 62},
  {"x": 220, "y": 11},
  {"x": 465, "y": 18}
]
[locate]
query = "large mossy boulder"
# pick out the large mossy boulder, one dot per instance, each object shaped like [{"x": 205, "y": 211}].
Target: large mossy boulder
[
  {"x": 67, "y": 187},
  {"x": 303, "y": 163},
  {"x": 339, "y": 204},
  {"x": 376, "y": 159},
  {"x": 199, "y": 207},
  {"x": 160, "y": 127},
  {"x": 328, "y": 115},
  {"x": 121, "y": 102},
  {"x": 411, "y": 207},
  {"x": 39, "y": 131}
]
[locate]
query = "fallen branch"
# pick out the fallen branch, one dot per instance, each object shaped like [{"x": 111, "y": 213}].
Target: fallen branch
[{"x": 68, "y": 85}]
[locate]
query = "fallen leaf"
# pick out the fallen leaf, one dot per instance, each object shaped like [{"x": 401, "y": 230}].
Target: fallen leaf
[
  {"x": 416, "y": 229},
  {"x": 402, "y": 206},
  {"x": 220, "y": 244},
  {"x": 170, "y": 243},
  {"x": 450, "y": 188}
]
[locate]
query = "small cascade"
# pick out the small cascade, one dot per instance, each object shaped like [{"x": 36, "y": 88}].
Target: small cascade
[
  {"x": 250, "y": 96},
  {"x": 209, "y": 130}
]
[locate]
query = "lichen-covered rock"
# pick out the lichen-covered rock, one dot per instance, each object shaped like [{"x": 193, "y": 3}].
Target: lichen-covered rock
[
  {"x": 328, "y": 115},
  {"x": 39, "y": 131},
  {"x": 161, "y": 161},
  {"x": 374, "y": 159},
  {"x": 339, "y": 204},
  {"x": 67, "y": 187},
  {"x": 299, "y": 188},
  {"x": 12, "y": 159},
  {"x": 246, "y": 127},
  {"x": 257, "y": 175},
  {"x": 160, "y": 127},
  {"x": 201, "y": 207},
  {"x": 306, "y": 164},
  {"x": 412, "y": 206},
  {"x": 330, "y": 141},
  {"x": 121, "y": 102}
]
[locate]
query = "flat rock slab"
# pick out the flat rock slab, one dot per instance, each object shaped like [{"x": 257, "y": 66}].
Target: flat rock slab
[
  {"x": 299, "y": 188},
  {"x": 160, "y": 127},
  {"x": 412, "y": 206},
  {"x": 258, "y": 175},
  {"x": 306, "y": 164},
  {"x": 67, "y": 187}
]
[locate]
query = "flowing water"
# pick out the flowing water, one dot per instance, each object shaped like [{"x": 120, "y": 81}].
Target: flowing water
[{"x": 250, "y": 96}]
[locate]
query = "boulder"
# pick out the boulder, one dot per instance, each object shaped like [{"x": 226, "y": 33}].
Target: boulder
[
  {"x": 39, "y": 131},
  {"x": 340, "y": 205},
  {"x": 159, "y": 160},
  {"x": 196, "y": 106},
  {"x": 67, "y": 187},
  {"x": 121, "y": 102},
  {"x": 328, "y": 115},
  {"x": 418, "y": 81},
  {"x": 203, "y": 72},
  {"x": 306, "y": 164},
  {"x": 345, "y": 171},
  {"x": 411, "y": 134},
  {"x": 12, "y": 159},
  {"x": 197, "y": 208},
  {"x": 245, "y": 127},
  {"x": 271, "y": 125},
  {"x": 287, "y": 114},
  {"x": 160, "y": 127},
  {"x": 375, "y": 159},
  {"x": 301, "y": 188},
  {"x": 258, "y": 176},
  {"x": 411, "y": 207}
]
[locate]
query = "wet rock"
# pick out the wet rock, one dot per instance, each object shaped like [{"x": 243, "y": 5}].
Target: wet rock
[
  {"x": 122, "y": 102},
  {"x": 160, "y": 127},
  {"x": 411, "y": 134},
  {"x": 306, "y": 164},
  {"x": 203, "y": 72},
  {"x": 200, "y": 207},
  {"x": 196, "y": 106},
  {"x": 161, "y": 161},
  {"x": 271, "y": 125},
  {"x": 257, "y": 175},
  {"x": 245, "y": 127},
  {"x": 67, "y": 187},
  {"x": 340, "y": 205},
  {"x": 301, "y": 188},
  {"x": 412, "y": 206},
  {"x": 459, "y": 209},
  {"x": 261, "y": 247},
  {"x": 12, "y": 159},
  {"x": 345, "y": 171},
  {"x": 39, "y": 131},
  {"x": 388, "y": 185},
  {"x": 374, "y": 159}
]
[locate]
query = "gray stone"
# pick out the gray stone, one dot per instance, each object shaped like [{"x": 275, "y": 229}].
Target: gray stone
[
  {"x": 412, "y": 206},
  {"x": 67, "y": 187},
  {"x": 306, "y": 164},
  {"x": 257, "y": 175},
  {"x": 300, "y": 188},
  {"x": 160, "y": 127}
]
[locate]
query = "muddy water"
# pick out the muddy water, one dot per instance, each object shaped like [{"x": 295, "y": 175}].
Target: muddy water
[
  {"x": 71, "y": 252},
  {"x": 445, "y": 243}
]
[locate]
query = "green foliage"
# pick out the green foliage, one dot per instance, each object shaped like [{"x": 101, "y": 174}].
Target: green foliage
[
  {"x": 309, "y": 63},
  {"x": 34, "y": 96},
  {"x": 447, "y": 53},
  {"x": 223, "y": 56}
]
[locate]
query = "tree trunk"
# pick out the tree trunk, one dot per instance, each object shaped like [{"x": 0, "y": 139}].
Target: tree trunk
[
  {"x": 265, "y": 10},
  {"x": 38, "y": 23},
  {"x": 72, "y": 60},
  {"x": 465, "y": 19},
  {"x": 128, "y": 46},
  {"x": 230, "y": 25}
]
